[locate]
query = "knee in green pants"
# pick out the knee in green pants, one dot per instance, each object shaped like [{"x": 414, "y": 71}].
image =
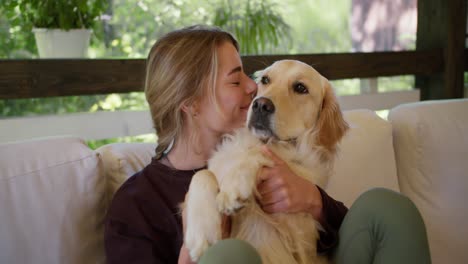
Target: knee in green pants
[
  {"x": 382, "y": 226},
  {"x": 231, "y": 251}
]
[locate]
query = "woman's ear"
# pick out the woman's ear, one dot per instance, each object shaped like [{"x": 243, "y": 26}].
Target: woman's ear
[
  {"x": 185, "y": 108},
  {"x": 331, "y": 126},
  {"x": 191, "y": 109}
]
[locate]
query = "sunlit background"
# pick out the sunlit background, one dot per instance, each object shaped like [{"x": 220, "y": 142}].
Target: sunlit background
[{"x": 128, "y": 29}]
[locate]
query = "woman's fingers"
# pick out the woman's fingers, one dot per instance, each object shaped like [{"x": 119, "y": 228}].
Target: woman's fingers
[
  {"x": 263, "y": 174},
  {"x": 269, "y": 185},
  {"x": 276, "y": 207},
  {"x": 273, "y": 196}
]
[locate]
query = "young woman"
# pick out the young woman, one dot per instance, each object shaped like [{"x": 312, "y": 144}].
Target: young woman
[{"x": 197, "y": 91}]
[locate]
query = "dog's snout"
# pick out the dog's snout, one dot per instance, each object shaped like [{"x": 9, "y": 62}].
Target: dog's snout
[{"x": 263, "y": 105}]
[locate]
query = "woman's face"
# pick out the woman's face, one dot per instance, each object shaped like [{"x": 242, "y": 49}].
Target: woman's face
[{"x": 234, "y": 90}]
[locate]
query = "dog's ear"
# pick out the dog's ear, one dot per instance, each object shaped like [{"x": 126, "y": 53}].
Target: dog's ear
[{"x": 330, "y": 126}]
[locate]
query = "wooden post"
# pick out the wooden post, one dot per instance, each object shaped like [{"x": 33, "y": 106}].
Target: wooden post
[
  {"x": 442, "y": 24},
  {"x": 455, "y": 55}
]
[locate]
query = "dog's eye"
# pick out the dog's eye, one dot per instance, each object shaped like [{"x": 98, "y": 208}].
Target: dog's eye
[
  {"x": 300, "y": 88},
  {"x": 265, "y": 80}
]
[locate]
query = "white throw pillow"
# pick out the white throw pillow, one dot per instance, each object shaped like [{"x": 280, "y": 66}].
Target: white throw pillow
[
  {"x": 122, "y": 160},
  {"x": 51, "y": 202},
  {"x": 366, "y": 158}
]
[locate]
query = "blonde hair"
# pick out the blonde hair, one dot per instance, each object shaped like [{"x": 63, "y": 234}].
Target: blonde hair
[{"x": 181, "y": 68}]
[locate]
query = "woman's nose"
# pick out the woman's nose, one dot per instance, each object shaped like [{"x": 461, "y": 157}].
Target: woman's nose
[{"x": 251, "y": 85}]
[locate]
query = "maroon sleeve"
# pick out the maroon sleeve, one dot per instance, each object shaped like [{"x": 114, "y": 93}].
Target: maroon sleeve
[
  {"x": 333, "y": 213},
  {"x": 134, "y": 234},
  {"x": 126, "y": 244}
]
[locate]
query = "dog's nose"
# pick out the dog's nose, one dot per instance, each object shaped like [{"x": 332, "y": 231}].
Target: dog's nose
[{"x": 263, "y": 105}]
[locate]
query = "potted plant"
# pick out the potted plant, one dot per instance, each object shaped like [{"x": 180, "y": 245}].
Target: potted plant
[
  {"x": 255, "y": 23},
  {"x": 62, "y": 28}
]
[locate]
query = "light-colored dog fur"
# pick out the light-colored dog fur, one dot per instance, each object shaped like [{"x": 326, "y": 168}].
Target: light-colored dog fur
[{"x": 304, "y": 131}]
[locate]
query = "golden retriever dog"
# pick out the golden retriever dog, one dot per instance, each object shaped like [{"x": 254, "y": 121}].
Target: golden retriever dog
[{"x": 295, "y": 113}]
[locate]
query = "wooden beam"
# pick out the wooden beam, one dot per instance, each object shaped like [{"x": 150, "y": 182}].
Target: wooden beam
[
  {"x": 442, "y": 25},
  {"x": 455, "y": 54},
  {"x": 360, "y": 65},
  {"x": 64, "y": 77}
]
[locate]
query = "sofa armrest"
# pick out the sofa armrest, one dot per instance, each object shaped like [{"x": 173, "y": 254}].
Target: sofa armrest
[
  {"x": 431, "y": 146},
  {"x": 51, "y": 202}
]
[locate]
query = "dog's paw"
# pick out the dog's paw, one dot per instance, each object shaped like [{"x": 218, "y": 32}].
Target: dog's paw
[
  {"x": 228, "y": 203},
  {"x": 196, "y": 248},
  {"x": 203, "y": 220},
  {"x": 235, "y": 191},
  {"x": 202, "y": 231}
]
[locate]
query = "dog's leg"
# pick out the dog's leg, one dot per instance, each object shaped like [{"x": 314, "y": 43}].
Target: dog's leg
[
  {"x": 203, "y": 226},
  {"x": 238, "y": 182}
]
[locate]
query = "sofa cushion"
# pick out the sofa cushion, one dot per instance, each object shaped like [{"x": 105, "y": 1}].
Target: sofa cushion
[
  {"x": 431, "y": 145},
  {"x": 122, "y": 160},
  {"x": 366, "y": 158},
  {"x": 51, "y": 202}
]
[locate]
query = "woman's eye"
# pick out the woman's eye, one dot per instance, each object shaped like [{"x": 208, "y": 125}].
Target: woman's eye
[
  {"x": 265, "y": 80},
  {"x": 300, "y": 88},
  {"x": 236, "y": 83}
]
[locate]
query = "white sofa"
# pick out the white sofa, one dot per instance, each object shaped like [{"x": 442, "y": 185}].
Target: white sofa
[{"x": 54, "y": 191}]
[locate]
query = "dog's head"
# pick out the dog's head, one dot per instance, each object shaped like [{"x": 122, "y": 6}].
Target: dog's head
[{"x": 295, "y": 102}]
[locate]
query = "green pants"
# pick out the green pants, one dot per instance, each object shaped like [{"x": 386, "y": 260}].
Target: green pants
[{"x": 381, "y": 226}]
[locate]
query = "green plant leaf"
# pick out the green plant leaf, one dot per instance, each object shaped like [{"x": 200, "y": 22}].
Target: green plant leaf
[
  {"x": 256, "y": 24},
  {"x": 63, "y": 14}
]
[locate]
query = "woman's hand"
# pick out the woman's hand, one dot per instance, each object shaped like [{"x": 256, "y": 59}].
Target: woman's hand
[{"x": 282, "y": 191}]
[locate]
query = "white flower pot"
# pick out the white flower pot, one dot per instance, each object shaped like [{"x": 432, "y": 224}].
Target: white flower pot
[{"x": 57, "y": 43}]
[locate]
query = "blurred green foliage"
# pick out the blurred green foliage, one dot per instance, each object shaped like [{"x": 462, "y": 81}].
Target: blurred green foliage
[
  {"x": 72, "y": 104},
  {"x": 257, "y": 25},
  {"x": 49, "y": 106},
  {"x": 319, "y": 26},
  {"x": 15, "y": 41},
  {"x": 62, "y": 14},
  {"x": 94, "y": 144}
]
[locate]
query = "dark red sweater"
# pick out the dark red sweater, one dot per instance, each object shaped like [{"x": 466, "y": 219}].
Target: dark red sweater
[{"x": 143, "y": 223}]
